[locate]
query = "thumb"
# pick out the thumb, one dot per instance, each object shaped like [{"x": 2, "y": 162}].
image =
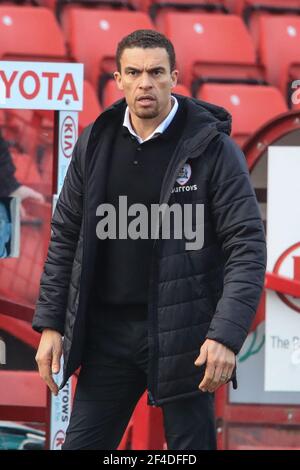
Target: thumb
[
  {"x": 55, "y": 363},
  {"x": 201, "y": 359}
]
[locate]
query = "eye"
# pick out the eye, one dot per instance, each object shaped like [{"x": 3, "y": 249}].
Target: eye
[
  {"x": 132, "y": 73},
  {"x": 157, "y": 72}
]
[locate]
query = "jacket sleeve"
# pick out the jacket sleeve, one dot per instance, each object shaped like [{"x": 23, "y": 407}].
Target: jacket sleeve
[
  {"x": 8, "y": 181},
  {"x": 240, "y": 232},
  {"x": 66, "y": 222}
]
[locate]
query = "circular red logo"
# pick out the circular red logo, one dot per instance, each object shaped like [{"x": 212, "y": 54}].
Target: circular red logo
[{"x": 288, "y": 265}]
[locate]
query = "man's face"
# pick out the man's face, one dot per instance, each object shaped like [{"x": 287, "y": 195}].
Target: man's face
[{"x": 146, "y": 80}]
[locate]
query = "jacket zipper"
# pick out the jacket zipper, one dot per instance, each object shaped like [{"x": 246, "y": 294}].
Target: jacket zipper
[{"x": 152, "y": 387}]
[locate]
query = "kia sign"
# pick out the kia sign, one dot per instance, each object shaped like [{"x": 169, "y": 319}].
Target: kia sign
[
  {"x": 68, "y": 125},
  {"x": 282, "y": 360},
  {"x": 41, "y": 85},
  {"x": 68, "y": 131}
]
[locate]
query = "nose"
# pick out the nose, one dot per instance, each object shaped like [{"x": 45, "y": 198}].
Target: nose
[{"x": 145, "y": 81}]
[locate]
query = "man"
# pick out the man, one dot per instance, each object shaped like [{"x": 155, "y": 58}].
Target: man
[{"x": 149, "y": 313}]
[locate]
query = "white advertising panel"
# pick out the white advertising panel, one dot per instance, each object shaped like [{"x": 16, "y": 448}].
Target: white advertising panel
[
  {"x": 41, "y": 85},
  {"x": 282, "y": 360}
]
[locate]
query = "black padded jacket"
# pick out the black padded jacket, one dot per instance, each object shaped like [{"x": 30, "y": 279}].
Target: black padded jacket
[{"x": 211, "y": 293}]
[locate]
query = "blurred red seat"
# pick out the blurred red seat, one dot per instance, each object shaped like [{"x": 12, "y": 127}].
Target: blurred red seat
[
  {"x": 181, "y": 89},
  {"x": 250, "y": 106},
  {"x": 157, "y": 8},
  {"x": 206, "y": 5},
  {"x": 211, "y": 47},
  {"x": 248, "y": 7},
  {"x": 279, "y": 50},
  {"x": 59, "y": 5},
  {"x": 49, "y": 4},
  {"x": 26, "y": 170},
  {"x": 110, "y": 93},
  {"x": 93, "y": 35},
  {"x": 252, "y": 10},
  {"x": 91, "y": 107},
  {"x": 29, "y": 32}
]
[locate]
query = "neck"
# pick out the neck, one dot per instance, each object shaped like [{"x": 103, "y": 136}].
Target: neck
[{"x": 145, "y": 127}]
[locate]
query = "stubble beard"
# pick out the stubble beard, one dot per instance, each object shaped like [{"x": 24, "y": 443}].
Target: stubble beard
[{"x": 147, "y": 113}]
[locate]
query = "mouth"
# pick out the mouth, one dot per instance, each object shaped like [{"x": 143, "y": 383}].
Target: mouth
[{"x": 146, "y": 100}]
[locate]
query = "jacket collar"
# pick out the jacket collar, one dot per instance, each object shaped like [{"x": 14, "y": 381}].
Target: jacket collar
[{"x": 201, "y": 118}]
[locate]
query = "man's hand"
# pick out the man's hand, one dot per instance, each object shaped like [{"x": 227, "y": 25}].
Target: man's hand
[
  {"x": 220, "y": 362},
  {"x": 48, "y": 357}
]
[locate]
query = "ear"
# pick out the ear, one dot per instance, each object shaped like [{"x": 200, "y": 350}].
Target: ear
[
  {"x": 118, "y": 79},
  {"x": 174, "y": 77}
]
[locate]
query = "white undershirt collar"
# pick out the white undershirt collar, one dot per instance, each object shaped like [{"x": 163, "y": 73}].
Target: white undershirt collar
[{"x": 159, "y": 130}]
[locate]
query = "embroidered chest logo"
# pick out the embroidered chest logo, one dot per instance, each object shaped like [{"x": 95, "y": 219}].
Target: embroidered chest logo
[{"x": 184, "y": 174}]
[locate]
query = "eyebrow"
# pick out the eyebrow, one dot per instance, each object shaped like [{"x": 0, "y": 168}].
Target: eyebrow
[{"x": 152, "y": 69}]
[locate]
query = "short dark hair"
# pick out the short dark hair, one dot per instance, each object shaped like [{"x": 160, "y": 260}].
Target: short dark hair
[{"x": 146, "y": 38}]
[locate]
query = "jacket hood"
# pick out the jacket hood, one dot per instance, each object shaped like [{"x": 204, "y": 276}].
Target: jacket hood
[{"x": 203, "y": 114}]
